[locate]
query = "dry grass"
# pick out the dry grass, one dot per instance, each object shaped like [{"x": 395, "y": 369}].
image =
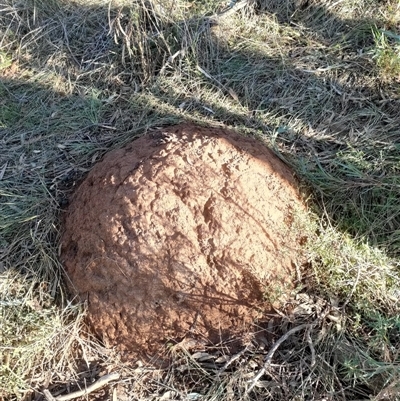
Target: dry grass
[{"x": 317, "y": 80}]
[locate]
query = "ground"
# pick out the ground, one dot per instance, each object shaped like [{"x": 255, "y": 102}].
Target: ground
[{"x": 316, "y": 81}]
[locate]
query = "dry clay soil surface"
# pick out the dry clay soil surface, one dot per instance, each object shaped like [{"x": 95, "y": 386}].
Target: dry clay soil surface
[{"x": 187, "y": 231}]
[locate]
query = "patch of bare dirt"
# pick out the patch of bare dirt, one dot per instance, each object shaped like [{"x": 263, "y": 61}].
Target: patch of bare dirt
[{"x": 184, "y": 232}]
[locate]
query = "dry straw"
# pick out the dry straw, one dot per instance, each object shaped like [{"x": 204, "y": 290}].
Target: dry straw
[{"x": 316, "y": 80}]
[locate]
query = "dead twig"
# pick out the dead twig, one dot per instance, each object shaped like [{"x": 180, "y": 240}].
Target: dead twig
[
  {"x": 231, "y": 10},
  {"x": 232, "y": 359},
  {"x": 272, "y": 351},
  {"x": 93, "y": 387}
]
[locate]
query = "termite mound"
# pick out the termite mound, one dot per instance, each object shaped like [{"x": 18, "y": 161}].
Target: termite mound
[{"x": 185, "y": 232}]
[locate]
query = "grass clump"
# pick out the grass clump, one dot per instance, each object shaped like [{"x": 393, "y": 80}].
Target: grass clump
[
  {"x": 5, "y": 60},
  {"x": 386, "y": 54},
  {"x": 36, "y": 336},
  {"x": 316, "y": 80}
]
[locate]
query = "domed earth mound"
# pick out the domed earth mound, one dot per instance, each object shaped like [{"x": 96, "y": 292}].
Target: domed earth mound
[{"x": 185, "y": 232}]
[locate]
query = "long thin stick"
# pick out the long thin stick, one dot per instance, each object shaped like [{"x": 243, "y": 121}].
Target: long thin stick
[
  {"x": 232, "y": 359},
  {"x": 272, "y": 351},
  {"x": 93, "y": 387}
]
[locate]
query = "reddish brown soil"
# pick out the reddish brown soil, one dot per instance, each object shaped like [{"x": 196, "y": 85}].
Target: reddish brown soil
[{"x": 184, "y": 232}]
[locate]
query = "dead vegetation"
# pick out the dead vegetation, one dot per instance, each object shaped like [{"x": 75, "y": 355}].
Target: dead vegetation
[{"x": 317, "y": 80}]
